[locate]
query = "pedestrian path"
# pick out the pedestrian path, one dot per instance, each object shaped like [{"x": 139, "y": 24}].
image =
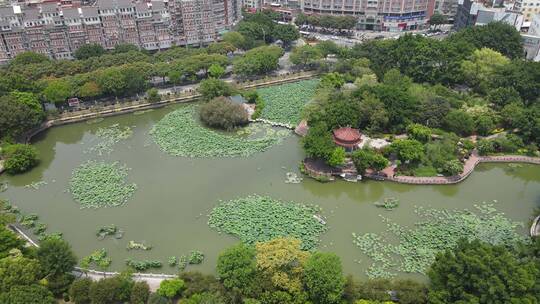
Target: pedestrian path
[{"x": 468, "y": 167}]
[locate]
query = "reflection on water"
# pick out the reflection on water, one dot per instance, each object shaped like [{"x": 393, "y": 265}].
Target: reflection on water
[{"x": 169, "y": 209}]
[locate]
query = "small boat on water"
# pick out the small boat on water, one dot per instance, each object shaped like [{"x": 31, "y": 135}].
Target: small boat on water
[
  {"x": 319, "y": 218},
  {"x": 351, "y": 177}
]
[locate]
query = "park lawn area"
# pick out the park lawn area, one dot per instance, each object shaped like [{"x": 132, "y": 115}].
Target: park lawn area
[
  {"x": 284, "y": 103},
  {"x": 425, "y": 171}
]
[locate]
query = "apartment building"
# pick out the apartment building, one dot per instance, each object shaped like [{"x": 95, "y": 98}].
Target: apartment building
[
  {"x": 529, "y": 8},
  {"x": 446, "y": 7},
  {"x": 57, "y": 30},
  {"x": 381, "y": 15},
  {"x": 472, "y": 13},
  {"x": 531, "y": 40}
]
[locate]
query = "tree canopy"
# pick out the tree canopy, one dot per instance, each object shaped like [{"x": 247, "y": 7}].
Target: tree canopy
[{"x": 476, "y": 272}]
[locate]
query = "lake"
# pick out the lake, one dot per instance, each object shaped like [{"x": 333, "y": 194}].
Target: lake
[{"x": 169, "y": 209}]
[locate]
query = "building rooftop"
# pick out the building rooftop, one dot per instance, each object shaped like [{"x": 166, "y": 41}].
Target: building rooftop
[
  {"x": 158, "y": 5},
  {"x": 7, "y": 11},
  {"x": 113, "y": 4},
  {"x": 31, "y": 14},
  {"x": 88, "y": 11},
  {"x": 49, "y": 7},
  {"x": 142, "y": 7},
  {"x": 71, "y": 13},
  {"x": 347, "y": 134}
]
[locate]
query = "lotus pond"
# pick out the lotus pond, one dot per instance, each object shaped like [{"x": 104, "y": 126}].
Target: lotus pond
[{"x": 175, "y": 195}]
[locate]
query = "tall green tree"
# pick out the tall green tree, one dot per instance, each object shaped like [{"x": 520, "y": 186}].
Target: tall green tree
[
  {"x": 18, "y": 271},
  {"x": 523, "y": 76},
  {"x": 112, "y": 81},
  {"x": 89, "y": 50},
  {"x": 216, "y": 71},
  {"x": 125, "y": 48},
  {"x": 212, "y": 88},
  {"x": 57, "y": 91},
  {"x": 480, "y": 68},
  {"x": 79, "y": 291},
  {"x": 26, "y": 58},
  {"x": 305, "y": 55},
  {"x": 476, "y": 272},
  {"x": 409, "y": 150},
  {"x": 437, "y": 19},
  {"x": 459, "y": 122},
  {"x": 286, "y": 33},
  {"x": 17, "y": 118},
  {"x": 33, "y": 294},
  {"x": 236, "y": 39},
  {"x": 318, "y": 142},
  {"x": 237, "y": 269},
  {"x": 139, "y": 293},
  {"x": 324, "y": 279},
  {"x": 258, "y": 61},
  {"x": 56, "y": 257},
  {"x": 19, "y": 158},
  {"x": 498, "y": 36},
  {"x": 8, "y": 241},
  {"x": 364, "y": 159},
  {"x": 171, "y": 288}
]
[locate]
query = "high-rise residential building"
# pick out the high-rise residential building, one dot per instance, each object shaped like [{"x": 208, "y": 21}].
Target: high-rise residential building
[
  {"x": 531, "y": 40},
  {"x": 58, "y": 28},
  {"x": 382, "y": 15},
  {"x": 529, "y": 8},
  {"x": 447, "y": 8},
  {"x": 472, "y": 13}
]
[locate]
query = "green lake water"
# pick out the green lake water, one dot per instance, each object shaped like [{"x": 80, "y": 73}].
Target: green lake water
[{"x": 169, "y": 209}]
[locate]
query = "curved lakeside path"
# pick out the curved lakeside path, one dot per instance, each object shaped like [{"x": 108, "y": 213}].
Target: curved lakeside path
[
  {"x": 152, "y": 279},
  {"x": 468, "y": 168}
]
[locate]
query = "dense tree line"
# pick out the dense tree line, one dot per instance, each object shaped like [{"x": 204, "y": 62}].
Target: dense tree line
[
  {"x": 435, "y": 91},
  {"x": 125, "y": 70},
  {"x": 260, "y": 28},
  {"x": 29, "y": 275},
  {"x": 32, "y": 79}
]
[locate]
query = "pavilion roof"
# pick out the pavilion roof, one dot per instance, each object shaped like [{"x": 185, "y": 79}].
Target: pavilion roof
[{"x": 347, "y": 134}]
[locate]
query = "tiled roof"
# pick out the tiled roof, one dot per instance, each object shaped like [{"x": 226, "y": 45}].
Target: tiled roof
[{"x": 347, "y": 134}]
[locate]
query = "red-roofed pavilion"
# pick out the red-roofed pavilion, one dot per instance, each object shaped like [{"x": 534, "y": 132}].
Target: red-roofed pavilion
[{"x": 347, "y": 138}]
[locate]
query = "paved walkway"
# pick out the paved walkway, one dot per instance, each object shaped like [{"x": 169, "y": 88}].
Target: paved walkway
[
  {"x": 535, "y": 227},
  {"x": 153, "y": 280},
  {"x": 468, "y": 168}
]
